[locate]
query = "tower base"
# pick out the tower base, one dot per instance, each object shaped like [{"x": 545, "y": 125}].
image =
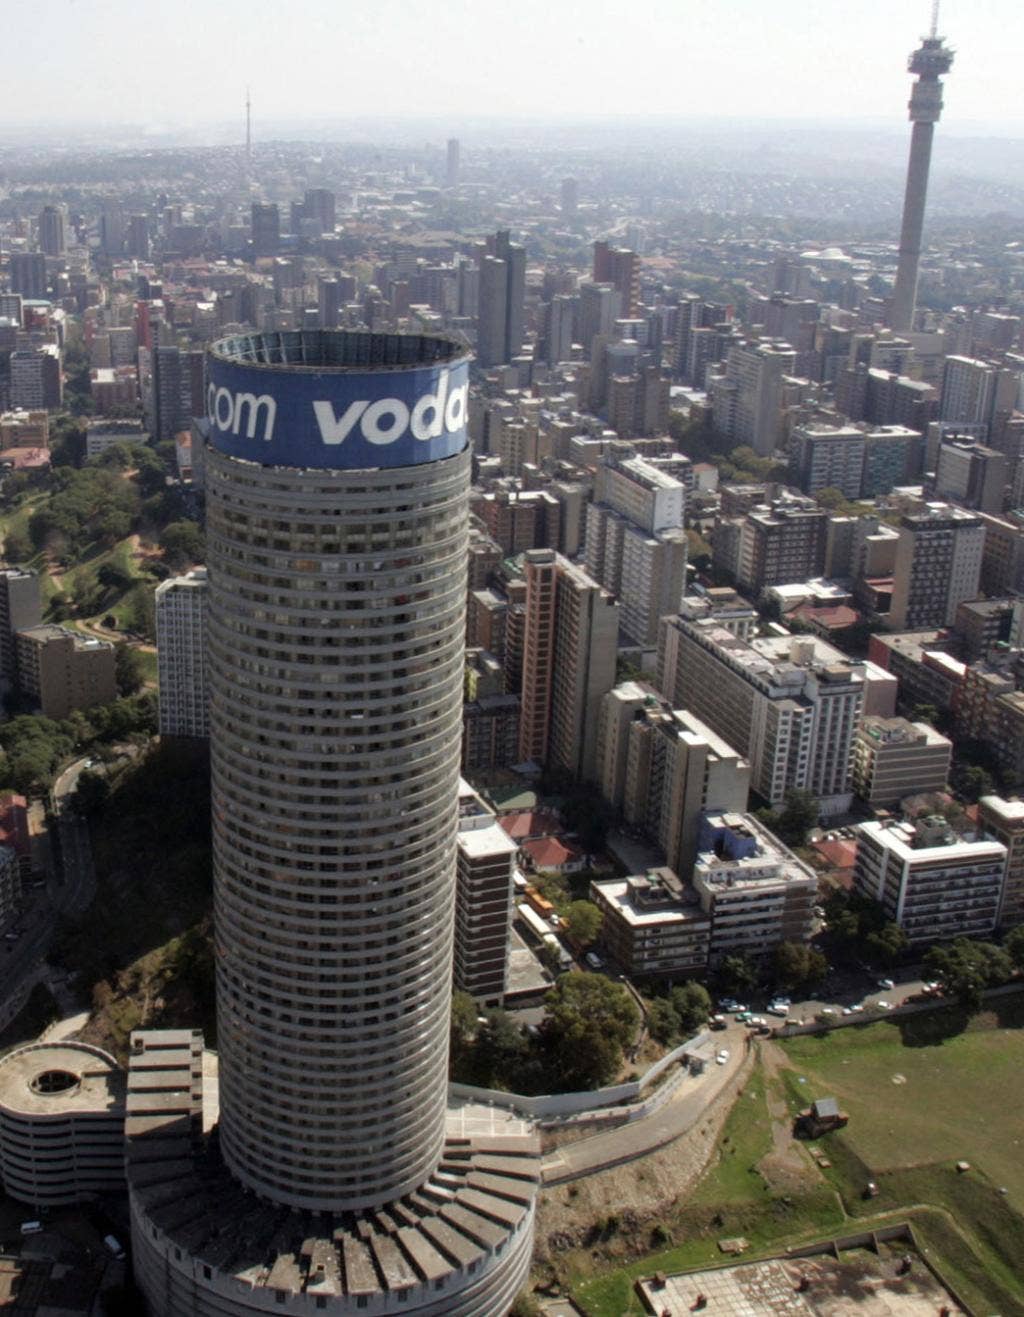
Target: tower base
[{"x": 205, "y": 1247}]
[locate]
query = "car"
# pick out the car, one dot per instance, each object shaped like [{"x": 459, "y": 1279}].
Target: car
[
  {"x": 847, "y": 1010},
  {"x": 593, "y": 960},
  {"x": 756, "y": 1021},
  {"x": 728, "y": 1003},
  {"x": 858, "y": 1009},
  {"x": 742, "y": 1017},
  {"x": 113, "y": 1246},
  {"x": 718, "y": 1022},
  {"x": 722, "y": 1056},
  {"x": 885, "y": 1005},
  {"x": 782, "y": 1001},
  {"x": 738, "y": 1008},
  {"x": 886, "y": 985},
  {"x": 778, "y": 1008}
]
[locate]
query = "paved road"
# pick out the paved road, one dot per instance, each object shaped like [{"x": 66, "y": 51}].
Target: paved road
[
  {"x": 69, "y": 888},
  {"x": 681, "y": 1112}
]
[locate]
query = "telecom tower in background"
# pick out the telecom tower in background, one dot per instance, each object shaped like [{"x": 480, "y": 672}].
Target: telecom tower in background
[{"x": 930, "y": 61}]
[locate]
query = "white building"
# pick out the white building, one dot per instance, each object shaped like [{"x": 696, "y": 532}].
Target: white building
[
  {"x": 747, "y": 402},
  {"x": 938, "y": 566},
  {"x": 181, "y": 605},
  {"x": 931, "y": 882}
]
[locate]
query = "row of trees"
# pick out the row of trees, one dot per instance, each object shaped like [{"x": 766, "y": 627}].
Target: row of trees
[
  {"x": 32, "y": 747},
  {"x": 965, "y": 968}
]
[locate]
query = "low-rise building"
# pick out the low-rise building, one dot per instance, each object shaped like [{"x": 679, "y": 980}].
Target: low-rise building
[
  {"x": 653, "y": 924},
  {"x": 930, "y": 881},
  {"x": 62, "y": 670},
  {"x": 894, "y": 758},
  {"x": 755, "y": 891}
]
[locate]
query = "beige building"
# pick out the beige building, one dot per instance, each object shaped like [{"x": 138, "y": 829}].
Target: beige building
[
  {"x": 653, "y": 924},
  {"x": 893, "y": 758},
  {"x": 63, "y": 670},
  {"x": 938, "y": 564},
  {"x": 1004, "y": 821}
]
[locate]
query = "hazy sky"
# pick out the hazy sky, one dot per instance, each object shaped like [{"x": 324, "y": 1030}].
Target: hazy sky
[{"x": 164, "y": 63}]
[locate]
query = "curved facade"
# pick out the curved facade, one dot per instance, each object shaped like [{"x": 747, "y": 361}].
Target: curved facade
[
  {"x": 61, "y": 1124},
  {"x": 336, "y": 633}
]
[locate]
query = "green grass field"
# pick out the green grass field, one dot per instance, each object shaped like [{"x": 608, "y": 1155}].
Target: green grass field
[
  {"x": 915, "y": 1102},
  {"x": 955, "y": 1099}
]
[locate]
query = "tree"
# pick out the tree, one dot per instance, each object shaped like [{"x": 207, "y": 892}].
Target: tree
[
  {"x": 886, "y": 945},
  {"x": 737, "y": 973},
  {"x": 526, "y": 1306},
  {"x": 1013, "y": 945},
  {"x": 129, "y": 669},
  {"x": 17, "y": 546},
  {"x": 583, "y": 922},
  {"x": 965, "y": 969},
  {"x": 499, "y": 1052},
  {"x": 92, "y": 792},
  {"x": 692, "y": 1004},
  {"x": 591, "y": 1019},
  {"x": 795, "y": 964},
  {"x": 662, "y": 1021},
  {"x": 182, "y": 543},
  {"x": 463, "y": 1028},
  {"x": 971, "y": 781},
  {"x": 799, "y": 814}
]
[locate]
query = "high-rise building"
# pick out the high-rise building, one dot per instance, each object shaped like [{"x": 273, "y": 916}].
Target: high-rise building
[
  {"x": 780, "y": 544},
  {"x": 329, "y": 303},
  {"x": 26, "y": 272},
  {"x": 181, "y": 605},
  {"x": 501, "y": 296},
  {"x": 168, "y": 416},
  {"x": 320, "y": 205},
  {"x": 748, "y": 400},
  {"x": 21, "y": 607},
  {"x": 568, "y": 664},
  {"x": 929, "y": 62},
  {"x": 451, "y": 164},
  {"x": 789, "y": 705},
  {"x": 36, "y": 378},
  {"x": 138, "y": 244},
  {"x": 483, "y": 901},
  {"x": 337, "y": 526},
  {"x": 973, "y": 392},
  {"x": 51, "y": 231},
  {"x": 938, "y": 565},
  {"x": 974, "y": 475},
  {"x": 928, "y": 880},
  {"x": 61, "y": 670},
  {"x": 266, "y": 229},
  {"x": 619, "y": 267},
  {"x": 827, "y": 457},
  {"x": 1003, "y": 820},
  {"x": 570, "y": 196},
  {"x": 635, "y": 544},
  {"x": 894, "y": 758},
  {"x": 558, "y": 326}
]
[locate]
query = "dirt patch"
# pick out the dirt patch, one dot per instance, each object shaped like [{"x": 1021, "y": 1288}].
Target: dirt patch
[
  {"x": 636, "y": 1193},
  {"x": 787, "y": 1168}
]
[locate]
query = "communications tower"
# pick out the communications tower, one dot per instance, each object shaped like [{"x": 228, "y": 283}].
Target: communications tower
[{"x": 930, "y": 61}]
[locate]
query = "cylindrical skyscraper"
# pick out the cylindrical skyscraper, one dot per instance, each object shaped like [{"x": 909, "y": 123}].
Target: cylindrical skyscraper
[
  {"x": 337, "y": 479},
  {"x": 929, "y": 62}
]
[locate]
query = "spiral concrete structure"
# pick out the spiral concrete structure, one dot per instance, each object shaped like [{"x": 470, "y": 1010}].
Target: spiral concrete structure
[{"x": 337, "y": 480}]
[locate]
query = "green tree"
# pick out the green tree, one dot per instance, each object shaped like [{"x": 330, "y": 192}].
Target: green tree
[
  {"x": 886, "y": 945},
  {"x": 590, "y": 1020},
  {"x": 463, "y": 1029},
  {"x": 129, "y": 669},
  {"x": 182, "y": 543},
  {"x": 966, "y": 968},
  {"x": 971, "y": 781},
  {"x": 499, "y": 1052},
  {"x": 583, "y": 922},
  {"x": 525, "y": 1306},
  {"x": 799, "y": 814},
  {"x": 17, "y": 546},
  {"x": 692, "y": 1004},
  {"x": 737, "y": 973},
  {"x": 140, "y": 610},
  {"x": 795, "y": 964},
  {"x": 1014, "y": 946},
  {"x": 662, "y": 1021},
  {"x": 92, "y": 791}
]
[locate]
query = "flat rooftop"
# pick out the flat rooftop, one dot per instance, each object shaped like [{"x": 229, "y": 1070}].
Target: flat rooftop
[{"x": 61, "y": 1079}]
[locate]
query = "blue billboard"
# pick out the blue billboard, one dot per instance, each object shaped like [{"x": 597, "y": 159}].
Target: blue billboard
[{"x": 337, "y": 419}]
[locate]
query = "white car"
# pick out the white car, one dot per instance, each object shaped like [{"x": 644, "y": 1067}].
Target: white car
[
  {"x": 779, "y": 1009},
  {"x": 722, "y": 1056},
  {"x": 886, "y": 985},
  {"x": 885, "y": 1005}
]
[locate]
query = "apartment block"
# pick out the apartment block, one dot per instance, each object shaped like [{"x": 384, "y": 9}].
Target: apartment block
[
  {"x": 653, "y": 924},
  {"x": 1003, "y": 821},
  {"x": 790, "y": 706},
  {"x": 929, "y": 881},
  {"x": 938, "y": 564},
  {"x": 779, "y": 544},
  {"x": 21, "y": 607},
  {"x": 62, "y": 670},
  {"x": 894, "y": 758},
  {"x": 181, "y": 610},
  {"x": 754, "y": 890},
  {"x": 828, "y": 457},
  {"x": 483, "y": 901}
]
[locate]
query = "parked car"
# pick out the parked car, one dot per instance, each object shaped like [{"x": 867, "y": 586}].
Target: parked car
[
  {"x": 886, "y": 985},
  {"x": 778, "y": 1008},
  {"x": 593, "y": 960},
  {"x": 722, "y": 1056}
]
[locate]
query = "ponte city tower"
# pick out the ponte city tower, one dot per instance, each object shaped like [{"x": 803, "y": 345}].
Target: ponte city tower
[
  {"x": 929, "y": 62},
  {"x": 337, "y": 483}
]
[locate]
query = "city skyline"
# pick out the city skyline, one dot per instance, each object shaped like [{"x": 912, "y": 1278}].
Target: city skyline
[{"x": 708, "y": 72}]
